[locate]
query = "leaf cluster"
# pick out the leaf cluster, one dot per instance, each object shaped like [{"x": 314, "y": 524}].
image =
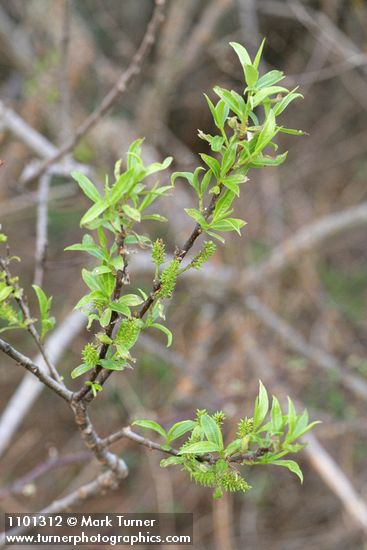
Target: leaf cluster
[{"x": 266, "y": 438}]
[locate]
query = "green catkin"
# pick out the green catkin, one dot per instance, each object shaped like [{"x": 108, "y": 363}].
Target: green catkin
[
  {"x": 128, "y": 332},
  {"x": 8, "y": 313},
  {"x": 90, "y": 355},
  {"x": 244, "y": 427},
  {"x": 219, "y": 417},
  {"x": 158, "y": 252},
  {"x": 207, "y": 251},
  {"x": 168, "y": 279}
]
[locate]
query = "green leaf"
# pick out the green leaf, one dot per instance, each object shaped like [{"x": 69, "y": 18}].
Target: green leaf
[
  {"x": 291, "y": 131},
  {"x": 120, "y": 308},
  {"x": 5, "y": 293},
  {"x": 265, "y": 160},
  {"x": 259, "y": 54},
  {"x": 228, "y": 158},
  {"x": 269, "y": 79},
  {"x": 276, "y": 416},
  {"x": 78, "y": 371},
  {"x": 229, "y": 224},
  {"x": 283, "y": 104},
  {"x": 134, "y": 152},
  {"x": 234, "y": 447},
  {"x": 170, "y": 461},
  {"x": 212, "y": 163},
  {"x": 212, "y": 431},
  {"x": 196, "y": 215},
  {"x": 91, "y": 249},
  {"x": 291, "y": 465},
  {"x": 86, "y": 186},
  {"x": 179, "y": 429},
  {"x": 232, "y": 100},
  {"x": 251, "y": 75},
  {"x": 90, "y": 280},
  {"x": 166, "y": 331},
  {"x": 93, "y": 212},
  {"x": 122, "y": 186},
  {"x": 216, "y": 143},
  {"x": 265, "y": 93},
  {"x": 131, "y": 212},
  {"x": 110, "y": 364},
  {"x": 292, "y": 416},
  {"x": 150, "y": 425},
  {"x": 261, "y": 406},
  {"x": 201, "y": 447},
  {"x": 242, "y": 54},
  {"x": 130, "y": 300},
  {"x": 267, "y": 133},
  {"x": 47, "y": 323},
  {"x": 105, "y": 317},
  {"x": 157, "y": 166}
]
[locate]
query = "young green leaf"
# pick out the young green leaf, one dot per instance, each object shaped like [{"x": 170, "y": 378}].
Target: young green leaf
[
  {"x": 151, "y": 425},
  {"x": 166, "y": 331},
  {"x": 199, "y": 448},
  {"x": 47, "y": 322},
  {"x": 78, "y": 371},
  {"x": 179, "y": 429},
  {"x": 261, "y": 406},
  {"x": 212, "y": 431},
  {"x": 86, "y": 186},
  {"x": 291, "y": 465},
  {"x": 242, "y": 54}
]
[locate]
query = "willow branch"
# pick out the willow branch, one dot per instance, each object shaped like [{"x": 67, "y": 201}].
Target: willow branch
[{"x": 28, "y": 364}]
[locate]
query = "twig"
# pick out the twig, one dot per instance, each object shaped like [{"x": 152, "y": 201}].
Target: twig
[
  {"x": 121, "y": 85},
  {"x": 27, "y": 363},
  {"x": 41, "y": 469},
  {"x": 103, "y": 483},
  {"x": 321, "y": 358},
  {"x": 23, "y": 305},
  {"x": 29, "y": 389},
  {"x": 93, "y": 442},
  {"x": 129, "y": 434}
]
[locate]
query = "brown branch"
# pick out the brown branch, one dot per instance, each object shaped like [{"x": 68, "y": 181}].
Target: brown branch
[
  {"x": 133, "y": 436},
  {"x": 41, "y": 469},
  {"x": 121, "y": 85},
  {"x": 103, "y": 483},
  {"x": 43, "y": 377}
]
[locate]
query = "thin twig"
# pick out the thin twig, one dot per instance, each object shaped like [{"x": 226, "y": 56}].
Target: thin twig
[
  {"x": 41, "y": 469},
  {"x": 121, "y": 85},
  {"x": 27, "y": 363},
  {"x": 103, "y": 483},
  {"x": 29, "y": 389},
  {"x": 23, "y": 305},
  {"x": 127, "y": 433}
]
